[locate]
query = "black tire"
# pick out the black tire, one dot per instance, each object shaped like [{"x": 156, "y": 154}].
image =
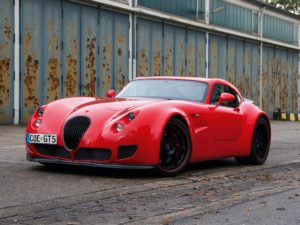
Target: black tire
[
  {"x": 175, "y": 148},
  {"x": 260, "y": 144}
]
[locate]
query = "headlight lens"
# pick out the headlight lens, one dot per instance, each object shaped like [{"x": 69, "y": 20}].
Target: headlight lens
[
  {"x": 131, "y": 116},
  {"x": 40, "y": 112},
  {"x": 119, "y": 127},
  {"x": 38, "y": 122}
]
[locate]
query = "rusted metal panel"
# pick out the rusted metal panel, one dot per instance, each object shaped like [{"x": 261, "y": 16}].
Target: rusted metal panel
[
  {"x": 169, "y": 50},
  {"x": 121, "y": 50},
  {"x": 6, "y": 61},
  {"x": 248, "y": 70},
  {"x": 149, "y": 48},
  {"x": 71, "y": 49},
  {"x": 144, "y": 33},
  {"x": 296, "y": 80},
  {"x": 114, "y": 34},
  {"x": 180, "y": 51},
  {"x": 192, "y": 48},
  {"x": 217, "y": 56},
  {"x": 277, "y": 80},
  {"x": 89, "y": 57},
  {"x": 231, "y": 57},
  {"x": 271, "y": 82},
  {"x": 239, "y": 65},
  {"x": 264, "y": 78},
  {"x": 283, "y": 80},
  {"x": 195, "y": 53},
  {"x": 52, "y": 52},
  {"x": 268, "y": 79},
  {"x": 201, "y": 54},
  {"x": 290, "y": 82},
  {"x": 31, "y": 42},
  {"x": 255, "y": 58}
]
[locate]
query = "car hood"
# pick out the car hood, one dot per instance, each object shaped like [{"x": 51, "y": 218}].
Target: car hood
[{"x": 114, "y": 105}]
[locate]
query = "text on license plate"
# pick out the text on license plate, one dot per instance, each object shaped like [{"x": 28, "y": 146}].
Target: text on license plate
[{"x": 41, "y": 138}]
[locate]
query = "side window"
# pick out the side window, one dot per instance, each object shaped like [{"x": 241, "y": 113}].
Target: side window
[{"x": 218, "y": 90}]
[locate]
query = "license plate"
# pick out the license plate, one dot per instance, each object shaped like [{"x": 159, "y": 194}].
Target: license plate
[{"x": 41, "y": 139}]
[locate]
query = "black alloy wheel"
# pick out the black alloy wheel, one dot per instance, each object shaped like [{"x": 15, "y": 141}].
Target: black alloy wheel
[
  {"x": 175, "y": 148},
  {"x": 260, "y": 144}
]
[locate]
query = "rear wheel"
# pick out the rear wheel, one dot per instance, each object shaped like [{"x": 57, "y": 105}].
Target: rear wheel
[
  {"x": 175, "y": 148},
  {"x": 260, "y": 144}
]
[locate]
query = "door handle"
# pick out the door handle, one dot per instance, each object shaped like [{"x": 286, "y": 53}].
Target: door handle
[{"x": 236, "y": 109}]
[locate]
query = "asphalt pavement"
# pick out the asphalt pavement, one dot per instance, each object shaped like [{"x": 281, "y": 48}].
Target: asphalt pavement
[{"x": 217, "y": 192}]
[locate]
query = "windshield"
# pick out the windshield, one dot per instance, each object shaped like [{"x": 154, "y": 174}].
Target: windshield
[{"x": 166, "y": 89}]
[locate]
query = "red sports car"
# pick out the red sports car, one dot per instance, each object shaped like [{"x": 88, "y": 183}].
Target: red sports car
[{"x": 163, "y": 123}]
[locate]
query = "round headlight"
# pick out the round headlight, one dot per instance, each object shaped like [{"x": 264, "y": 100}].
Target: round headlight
[
  {"x": 119, "y": 127},
  {"x": 38, "y": 122},
  {"x": 40, "y": 111},
  {"x": 131, "y": 116}
]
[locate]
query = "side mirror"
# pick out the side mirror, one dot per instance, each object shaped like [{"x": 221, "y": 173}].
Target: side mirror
[
  {"x": 225, "y": 97},
  {"x": 111, "y": 93}
]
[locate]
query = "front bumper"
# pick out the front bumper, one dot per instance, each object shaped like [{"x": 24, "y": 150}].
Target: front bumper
[{"x": 90, "y": 164}]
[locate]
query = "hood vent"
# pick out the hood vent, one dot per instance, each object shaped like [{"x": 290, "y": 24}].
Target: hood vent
[{"x": 74, "y": 130}]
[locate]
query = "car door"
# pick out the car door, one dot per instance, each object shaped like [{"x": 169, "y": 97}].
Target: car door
[{"x": 226, "y": 120}]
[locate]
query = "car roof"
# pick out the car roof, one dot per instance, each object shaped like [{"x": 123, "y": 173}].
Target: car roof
[
  {"x": 201, "y": 79},
  {"x": 210, "y": 81}
]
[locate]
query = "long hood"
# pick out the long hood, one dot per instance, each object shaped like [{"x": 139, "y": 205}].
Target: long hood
[
  {"x": 100, "y": 111},
  {"x": 103, "y": 110}
]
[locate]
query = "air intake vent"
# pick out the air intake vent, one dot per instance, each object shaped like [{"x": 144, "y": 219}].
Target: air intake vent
[{"x": 74, "y": 130}]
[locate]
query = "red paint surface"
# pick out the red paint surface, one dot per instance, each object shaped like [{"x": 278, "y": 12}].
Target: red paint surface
[{"x": 216, "y": 132}]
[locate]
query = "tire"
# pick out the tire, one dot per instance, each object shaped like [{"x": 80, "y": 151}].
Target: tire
[
  {"x": 260, "y": 144},
  {"x": 175, "y": 148}
]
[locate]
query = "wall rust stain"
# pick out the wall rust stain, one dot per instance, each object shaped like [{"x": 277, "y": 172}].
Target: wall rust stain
[
  {"x": 191, "y": 52},
  {"x": 168, "y": 62},
  {"x": 247, "y": 72},
  {"x": 30, "y": 75},
  {"x": 90, "y": 66},
  {"x": 271, "y": 83},
  {"x": 143, "y": 63},
  {"x": 121, "y": 62},
  {"x": 295, "y": 94},
  {"x": 283, "y": 90},
  {"x": 264, "y": 86},
  {"x": 277, "y": 84},
  {"x": 214, "y": 60},
  {"x": 290, "y": 86},
  {"x": 53, "y": 64},
  {"x": 71, "y": 78},
  {"x": 4, "y": 80},
  {"x": 106, "y": 68},
  {"x": 201, "y": 59},
  {"x": 156, "y": 56},
  {"x": 180, "y": 67},
  {"x": 5, "y": 64},
  {"x": 231, "y": 68}
]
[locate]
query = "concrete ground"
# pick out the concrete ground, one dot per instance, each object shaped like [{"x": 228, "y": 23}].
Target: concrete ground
[{"x": 218, "y": 192}]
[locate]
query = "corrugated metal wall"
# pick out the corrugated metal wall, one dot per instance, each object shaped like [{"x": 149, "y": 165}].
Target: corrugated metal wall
[
  {"x": 187, "y": 8},
  {"x": 237, "y": 61},
  {"x": 69, "y": 49},
  {"x": 165, "y": 49},
  {"x": 6, "y": 61},
  {"x": 279, "y": 79},
  {"x": 280, "y": 30}
]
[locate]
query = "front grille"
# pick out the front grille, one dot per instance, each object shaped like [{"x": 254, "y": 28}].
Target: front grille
[
  {"x": 74, "y": 130},
  {"x": 92, "y": 154},
  {"x": 126, "y": 151},
  {"x": 52, "y": 150}
]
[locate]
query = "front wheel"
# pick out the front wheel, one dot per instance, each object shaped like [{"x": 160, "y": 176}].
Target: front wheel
[
  {"x": 175, "y": 148},
  {"x": 260, "y": 144}
]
